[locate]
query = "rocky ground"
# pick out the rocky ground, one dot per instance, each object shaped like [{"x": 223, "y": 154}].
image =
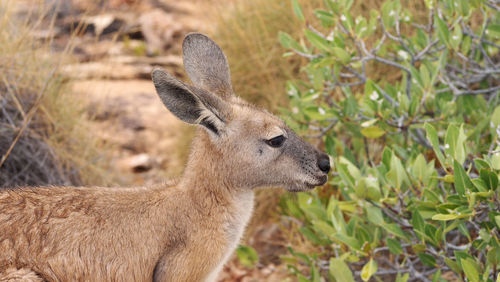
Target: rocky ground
[{"x": 117, "y": 44}]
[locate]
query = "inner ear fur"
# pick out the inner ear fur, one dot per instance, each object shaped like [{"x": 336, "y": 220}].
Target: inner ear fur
[{"x": 191, "y": 104}]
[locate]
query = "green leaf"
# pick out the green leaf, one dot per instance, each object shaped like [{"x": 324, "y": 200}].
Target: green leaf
[
  {"x": 361, "y": 28},
  {"x": 417, "y": 221},
  {"x": 319, "y": 42},
  {"x": 333, "y": 5},
  {"x": 374, "y": 215},
  {"x": 419, "y": 168},
  {"x": 302, "y": 278},
  {"x": 388, "y": 14},
  {"x": 485, "y": 235},
  {"x": 463, "y": 229},
  {"x": 427, "y": 259},
  {"x": 372, "y": 132},
  {"x": 341, "y": 54},
  {"x": 462, "y": 180},
  {"x": 324, "y": 227},
  {"x": 481, "y": 164},
  {"x": 433, "y": 139},
  {"x": 453, "y": 265},
  {"x": 326, "y": 18},
  {"x": 402, "y": 278},
  {"x": 394, "y": 229},
  {"x": 351, "y": 168},
  {"x": 348, "y": 240},
  {"x": 493, "y": 256},
  {"x": 311, "y": 236},
  {"x": 415, "y": 74},
  {"x": 316, "y": 277},
  {"x": 443, "y": 31},
  {"x": 299, "y": 255},
  {"x": 340, "y": 271},
  {"x": 470, "y": 269},
  {"x": 397, "y": 174},
  {"x": 494, "y": 30},
  {"x": 456, "y": 37},
  {"x": 479, "y": 184},
  {"x": 317, "y": 113},
  {"x": 394, "y": 246},
  {"x": 368, "y": 270},
  {"x": 430, "y": 231},
  {"x": 288, "y": 42},
  {"x": 490, "y": 178},
  {"x": 350, "y": 105},
  {"x": 342, "y": 169},
  {"x": 445, "y": 217},
  {"x": 495, "y": 159},
  {"x": 247, "y": 255},
  {"x": 424, "y": 74},
  {"x": 386, "y": 157},
  {"x": 466, "y": 44},
  {"x": 298, "y": 10},
  {"x": 454, "y": 143}
]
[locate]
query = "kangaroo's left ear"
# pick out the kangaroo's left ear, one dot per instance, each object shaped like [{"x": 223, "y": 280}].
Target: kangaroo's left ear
[
  {"x": 206, "y": 65},
  {"x": 191, "y": 104}
]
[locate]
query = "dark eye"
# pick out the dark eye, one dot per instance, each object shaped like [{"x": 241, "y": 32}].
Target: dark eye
[{"x": 276, "y": 141}]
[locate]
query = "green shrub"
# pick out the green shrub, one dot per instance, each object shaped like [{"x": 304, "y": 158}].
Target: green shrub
[{"x": 416, "y": 149}]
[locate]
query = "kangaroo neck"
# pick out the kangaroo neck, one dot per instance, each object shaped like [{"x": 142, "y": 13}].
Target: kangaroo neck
[{"x": 205, "y": 177}]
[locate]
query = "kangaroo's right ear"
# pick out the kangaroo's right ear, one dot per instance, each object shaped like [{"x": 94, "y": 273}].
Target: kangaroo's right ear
[
  {"x": 190, "y": 104},
  {"x": 206, "y": 65}
]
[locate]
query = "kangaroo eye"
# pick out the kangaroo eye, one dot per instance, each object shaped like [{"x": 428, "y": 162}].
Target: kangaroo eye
[{"x": 276, "y": 141}]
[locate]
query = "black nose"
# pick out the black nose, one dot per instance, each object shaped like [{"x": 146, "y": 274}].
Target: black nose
[{"x": 324, "y": 163}]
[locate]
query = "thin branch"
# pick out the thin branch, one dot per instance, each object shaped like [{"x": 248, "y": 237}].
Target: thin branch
[
  {"x": 308, "y": 56},
  {"x": 323, "y": 131},
  {"x": 476, "y": 92}
]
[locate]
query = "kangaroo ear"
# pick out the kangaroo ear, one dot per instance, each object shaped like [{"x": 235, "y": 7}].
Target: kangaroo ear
[
  {"x": 206, "y": 65},
  {"x": 190, "y": 104}
]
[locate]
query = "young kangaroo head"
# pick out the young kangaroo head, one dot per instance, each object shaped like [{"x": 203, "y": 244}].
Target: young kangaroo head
[{"x": 252, "y": 147}]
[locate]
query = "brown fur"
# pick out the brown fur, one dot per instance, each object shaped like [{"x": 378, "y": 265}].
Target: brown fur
[{"x": 183, "y": 232}]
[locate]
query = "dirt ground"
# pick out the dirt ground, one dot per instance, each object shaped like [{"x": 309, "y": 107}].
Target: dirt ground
[{"x": 117, "y": 45}]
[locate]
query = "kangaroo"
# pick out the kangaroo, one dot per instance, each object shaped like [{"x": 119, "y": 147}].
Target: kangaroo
[{"x": 180, "y": 232}]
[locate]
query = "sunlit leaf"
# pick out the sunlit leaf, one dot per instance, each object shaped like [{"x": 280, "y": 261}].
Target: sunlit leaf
[
  {"x": 470, "y": 269},
  {"x": 445, "y": 216},
  {"x": 341, "y": 54},
  {"x": 288, "y": 42},
  {"x": 317, "y": 41},
  {"x": 247, "y": 255},
  {"x": 372, "y": 132},
  {"x": 340, "y": 271},
  {"x": 433, "y": 139},
  {"x": 298, "y": 10},
  {"x": 462, "y": 180},
  {"x": 368, "y": 270}
]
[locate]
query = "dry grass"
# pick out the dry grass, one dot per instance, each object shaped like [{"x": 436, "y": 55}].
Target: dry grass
[
  {"x": 43, "y": 133},
  {"x": 247, "y": 31}
]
